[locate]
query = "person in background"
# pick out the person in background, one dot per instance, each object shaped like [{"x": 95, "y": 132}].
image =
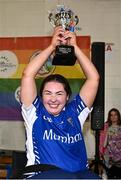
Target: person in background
[
  {"x": 55, "y": 146},
  {"x": 110, "y": 144}
]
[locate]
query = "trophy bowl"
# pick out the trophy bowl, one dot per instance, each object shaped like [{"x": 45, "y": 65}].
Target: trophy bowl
[{"x": 63, "y": 16}]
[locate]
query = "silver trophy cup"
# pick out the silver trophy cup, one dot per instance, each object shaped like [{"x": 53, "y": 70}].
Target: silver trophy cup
[{"x": 63, "y": 16}]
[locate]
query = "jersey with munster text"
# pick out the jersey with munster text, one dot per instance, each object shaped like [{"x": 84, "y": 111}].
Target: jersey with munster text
[{"x": 56, "y": 140}]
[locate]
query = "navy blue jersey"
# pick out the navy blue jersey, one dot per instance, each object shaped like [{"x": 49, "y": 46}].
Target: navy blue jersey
[{"x": 56, "y": 140}]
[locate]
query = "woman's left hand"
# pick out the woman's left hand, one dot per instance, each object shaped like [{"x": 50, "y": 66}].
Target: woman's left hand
[{"x": 70, "y": 37}]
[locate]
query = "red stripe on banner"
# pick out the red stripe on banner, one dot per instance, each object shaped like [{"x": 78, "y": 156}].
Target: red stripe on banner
[{"x": 21, "y": 43}]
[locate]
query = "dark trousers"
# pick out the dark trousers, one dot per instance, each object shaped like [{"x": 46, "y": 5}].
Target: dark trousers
[
  {"x": 61, "y": 174},
  {"x": 114, "y": 172}
]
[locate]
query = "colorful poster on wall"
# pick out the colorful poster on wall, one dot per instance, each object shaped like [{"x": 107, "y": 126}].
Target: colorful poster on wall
[{"x": 15, "y": 53}]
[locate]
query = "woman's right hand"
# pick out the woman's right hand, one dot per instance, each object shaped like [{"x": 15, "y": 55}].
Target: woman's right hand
[{"x": 58, "y": 37}]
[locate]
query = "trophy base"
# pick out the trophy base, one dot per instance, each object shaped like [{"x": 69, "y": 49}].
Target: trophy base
[{"x": 64, "y": 55}]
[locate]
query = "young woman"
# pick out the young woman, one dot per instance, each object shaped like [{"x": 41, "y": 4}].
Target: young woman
[
  {"x": 110, "y": 144},
  {"x": 55, "y": 146}
]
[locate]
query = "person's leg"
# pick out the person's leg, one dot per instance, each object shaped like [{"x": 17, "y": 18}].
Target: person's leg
[
  {"x": 61, "y": 174},
  {"x": 117, "y": 173},
  {"x": 54, "y": 174},
  {"x": 87, "y": 174},
  {"x": 111, "y": 172}
]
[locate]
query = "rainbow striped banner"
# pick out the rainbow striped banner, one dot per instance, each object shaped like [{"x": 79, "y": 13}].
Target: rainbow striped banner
[{"x": 15, "y": 54}]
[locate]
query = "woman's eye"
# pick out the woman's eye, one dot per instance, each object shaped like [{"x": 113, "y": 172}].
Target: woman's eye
[
  {"x": 47, "y": 93},
  {"x": 60, "y": 94}
]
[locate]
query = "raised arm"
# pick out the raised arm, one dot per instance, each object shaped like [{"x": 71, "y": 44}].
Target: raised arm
[
  {"x": 28, "y": 85},
  {"x": 89, "y": 90}
]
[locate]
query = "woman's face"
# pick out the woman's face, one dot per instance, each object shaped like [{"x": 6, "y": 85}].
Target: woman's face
[
  {"x": 114, "y": 117},
  {"x": 54, "y": 97}
]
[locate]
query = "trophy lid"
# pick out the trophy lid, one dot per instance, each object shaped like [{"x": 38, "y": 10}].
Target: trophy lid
[{"x": 63, "y": 16}]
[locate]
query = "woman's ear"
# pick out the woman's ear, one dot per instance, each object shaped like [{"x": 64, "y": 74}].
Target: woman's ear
[{"x": 67, "y": 98}]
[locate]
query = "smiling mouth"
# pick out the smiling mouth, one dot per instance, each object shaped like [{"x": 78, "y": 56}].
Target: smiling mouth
[{"x": 53, "y": 105}]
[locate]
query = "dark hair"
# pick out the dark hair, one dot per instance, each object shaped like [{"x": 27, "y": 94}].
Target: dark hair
[
  {"x": 109, "y": 115},
  {"x": 57, "y": 78}
]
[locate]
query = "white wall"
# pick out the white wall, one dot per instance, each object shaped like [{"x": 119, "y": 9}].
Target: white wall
[{"x": 101, "y": 19}]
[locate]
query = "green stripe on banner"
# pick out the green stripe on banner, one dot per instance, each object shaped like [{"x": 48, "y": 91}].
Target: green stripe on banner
[
  {"x": 10, "y": 85},
  {"x": 74, "y": 83}
]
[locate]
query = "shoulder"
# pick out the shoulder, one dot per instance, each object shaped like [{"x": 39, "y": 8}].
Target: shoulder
[
  {"x": 77, "y": 100},
  {"x": 36, "y": 104}
]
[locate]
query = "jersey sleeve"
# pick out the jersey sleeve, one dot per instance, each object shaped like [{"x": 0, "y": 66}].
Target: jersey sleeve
[
  {"x": 30, "y": 113},
  {"x": 80, "y": 109}
]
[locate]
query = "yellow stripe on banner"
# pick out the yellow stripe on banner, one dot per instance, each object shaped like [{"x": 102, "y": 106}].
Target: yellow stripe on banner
[
  {"x": 19, "y": 71},
  {"x": 69, "y": 72}
]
